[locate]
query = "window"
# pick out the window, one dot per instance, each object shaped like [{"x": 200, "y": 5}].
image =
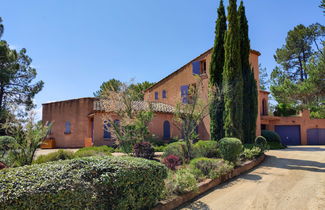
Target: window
[
  {"x": 107, "y": 133},
  {"x": 264, "y": 107},
  {"x": 164, "y": 94},
  {"x": 156, "y": 95},
  {"x": 67, "y": 127},
  {"x": 117, "y": 122},
  {"x": 203, "y": 67},
  {"x": 184, "y": 94}
]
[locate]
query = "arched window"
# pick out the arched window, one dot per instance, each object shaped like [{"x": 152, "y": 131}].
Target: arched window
[
  {"x": 264, "y": 107},
  {"x": 67, "y": 127},
  {"x": 166, "y": 130},
  {"x": 107, "y": 133},
  {"x": 117, "y": 122},
  {"x": 164, "y": 94}
]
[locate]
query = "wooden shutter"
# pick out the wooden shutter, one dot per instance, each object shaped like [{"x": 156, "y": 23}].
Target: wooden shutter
[
  {"x": 196, "y": 67},
  {"x": 184, "y": 94}
]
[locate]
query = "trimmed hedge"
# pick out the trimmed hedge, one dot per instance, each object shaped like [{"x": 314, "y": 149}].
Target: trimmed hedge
[
  {"x": 178, "y": 149},
  {"x": 207, "y": 149},
  {"x": 271, "y": 136},
  {"x": 87, "y": 183},
  {"x": 230, "y": 148}
]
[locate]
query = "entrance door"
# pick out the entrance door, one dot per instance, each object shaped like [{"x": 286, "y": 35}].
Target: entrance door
[
  {"x": 290, "y": 134},
  {"x": 316, "y": 136},
  {"x": 166, "y": 130}
]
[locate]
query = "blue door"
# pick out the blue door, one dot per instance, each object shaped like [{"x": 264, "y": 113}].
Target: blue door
[
  {"x": 290, "y": 134},
  {"x": 166, "y": 130},
  {"x": 316, "y": 136}
]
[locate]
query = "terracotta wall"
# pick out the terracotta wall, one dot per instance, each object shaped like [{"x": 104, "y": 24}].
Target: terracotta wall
[
  {"x": 184, "y": 76},
  {"x": 76, "y": 112},
  {"x": 303, "y": 120}
]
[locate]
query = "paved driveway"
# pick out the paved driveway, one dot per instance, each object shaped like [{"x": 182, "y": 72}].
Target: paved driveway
[{"x": 290, "y": 179}]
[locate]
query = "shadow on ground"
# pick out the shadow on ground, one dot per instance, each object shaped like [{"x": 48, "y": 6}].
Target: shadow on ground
[
  {"x": 294, "y": 164},
  {"x": 197, "y": 205},
  {"x": 306, "y": 149}
]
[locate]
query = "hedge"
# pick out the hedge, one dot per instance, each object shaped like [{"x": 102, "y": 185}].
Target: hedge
[
  {"x": 87, "y": 183},
  {"x": 271, "y": 136}
]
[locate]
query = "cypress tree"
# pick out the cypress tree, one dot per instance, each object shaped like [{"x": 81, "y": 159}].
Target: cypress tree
[
  {"x": 216, "y": 69},
  {"x": 249, "y": 83},
  {"x": 232, "y": 77}
]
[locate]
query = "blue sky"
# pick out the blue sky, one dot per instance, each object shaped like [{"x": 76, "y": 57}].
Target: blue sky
[{"x": 77, "y": 44}]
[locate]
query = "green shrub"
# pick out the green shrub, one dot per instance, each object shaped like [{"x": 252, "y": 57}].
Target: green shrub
[
  {"x": 271, "y": 136},
  {"x": 276, "y": 145},
  {"x": 54, "y": 156},
  {"x": 87, "y": 183},
  {"x": 261, "y": 142},
  {"x": 207, "y": 149},
  {"x": 252, "y": 153},
  {"x": 180, "y": 182},
  {"x": 230, "y": 149},
  {"x": 160, "y": 148},
  {"x": 178, "y": 149},
  {"x": 94, "y": 151},
  {"x": 210, "y": 168}
]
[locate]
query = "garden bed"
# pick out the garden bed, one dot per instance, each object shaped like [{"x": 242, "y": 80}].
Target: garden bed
[{"x": 207, "y": 185}]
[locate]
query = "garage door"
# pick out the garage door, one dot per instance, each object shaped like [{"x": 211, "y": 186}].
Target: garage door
[
  {"x": 290, "y": 134},
  {"x": 316, "y": 136}
]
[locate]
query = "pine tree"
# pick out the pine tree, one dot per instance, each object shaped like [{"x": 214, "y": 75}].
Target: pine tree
[
  {"x": 216, "y": 69},
  {"x": 249, "y": 83},
  {"x": 232, "y": 77}
]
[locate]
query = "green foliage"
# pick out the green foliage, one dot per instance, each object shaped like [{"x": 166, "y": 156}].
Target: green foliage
[
  {"x": 299, "y": 77},
  {"x": 207, "y": 149},
  {"x": 232, "y": 77},
  {"x": 216, "y": 71},
  {"x": 160, "y": 148},
  {"x": 139, "y": 88},
  {"x": 110, "y": 85},
  {"x": 27, "y": 139},
  {"x": 252, "y": 153},
  {"x": 16, "y": 76},
  {"x": 180, "y": 182},
  {"x": 230, "y": 149},
  {"x": 285, "y": 110},
  {"x": 7, "y": 143},
  {"x": 250, "y": 95},
  {"x": 210, "y": 168},
  {"x": 264, "y": 78},
  {"x": 94, "y": 151},
  {"x": 54, "y": 156},
  {"x": 144, "y": 150},
  {"x": 271, "y": 136},
  {"x": 178, "y": 149},
  {"x": 261, "y": 142},
  {"x": 88, "y": 183},
  {"x": 276, "y": 145}
]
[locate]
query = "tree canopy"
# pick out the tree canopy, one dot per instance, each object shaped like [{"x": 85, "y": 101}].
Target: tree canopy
[
  {"x": 16, "y": 78},
  {"x": 299, "y": 79},
  {"x": 216, "y": 70}
]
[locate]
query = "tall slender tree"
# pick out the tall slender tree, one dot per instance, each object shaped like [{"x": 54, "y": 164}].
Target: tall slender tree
[
  {"x": 216, "y": 69},
  {"x": 249, "y": 83},
  {"x": 232, "y": 76}
]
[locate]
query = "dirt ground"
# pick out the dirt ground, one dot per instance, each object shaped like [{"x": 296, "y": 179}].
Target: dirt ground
[{"x": 291, "y": 179}]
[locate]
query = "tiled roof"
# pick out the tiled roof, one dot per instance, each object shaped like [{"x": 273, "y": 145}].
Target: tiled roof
[{"x": 141, "y": 105}]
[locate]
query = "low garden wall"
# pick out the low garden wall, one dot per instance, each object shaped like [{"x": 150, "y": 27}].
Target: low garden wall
[{"x": 207, "y": 185}]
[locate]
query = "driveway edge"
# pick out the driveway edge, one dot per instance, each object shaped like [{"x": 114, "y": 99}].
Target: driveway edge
[{"x": 207, "y": 185}]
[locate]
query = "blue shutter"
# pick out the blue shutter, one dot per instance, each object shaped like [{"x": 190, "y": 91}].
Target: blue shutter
[
  {"x": 156, "y": 95},
  {"x": 196, "y": 67},
  {"x": 164, "y": 94},
  {"x": 184, "y": 94},
  {"x": 67, "y": 127}
]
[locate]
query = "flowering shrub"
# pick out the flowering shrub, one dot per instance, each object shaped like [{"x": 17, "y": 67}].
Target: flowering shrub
[
  {"x": 172, "y": 161},
  {"x": 144, "y": 150}
]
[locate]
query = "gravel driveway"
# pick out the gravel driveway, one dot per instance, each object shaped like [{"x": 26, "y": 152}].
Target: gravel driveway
[{"x": 288, "y": 179}]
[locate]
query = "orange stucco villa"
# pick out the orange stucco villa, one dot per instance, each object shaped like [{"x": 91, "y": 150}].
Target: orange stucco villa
[{"x": 79, "y": 122}]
